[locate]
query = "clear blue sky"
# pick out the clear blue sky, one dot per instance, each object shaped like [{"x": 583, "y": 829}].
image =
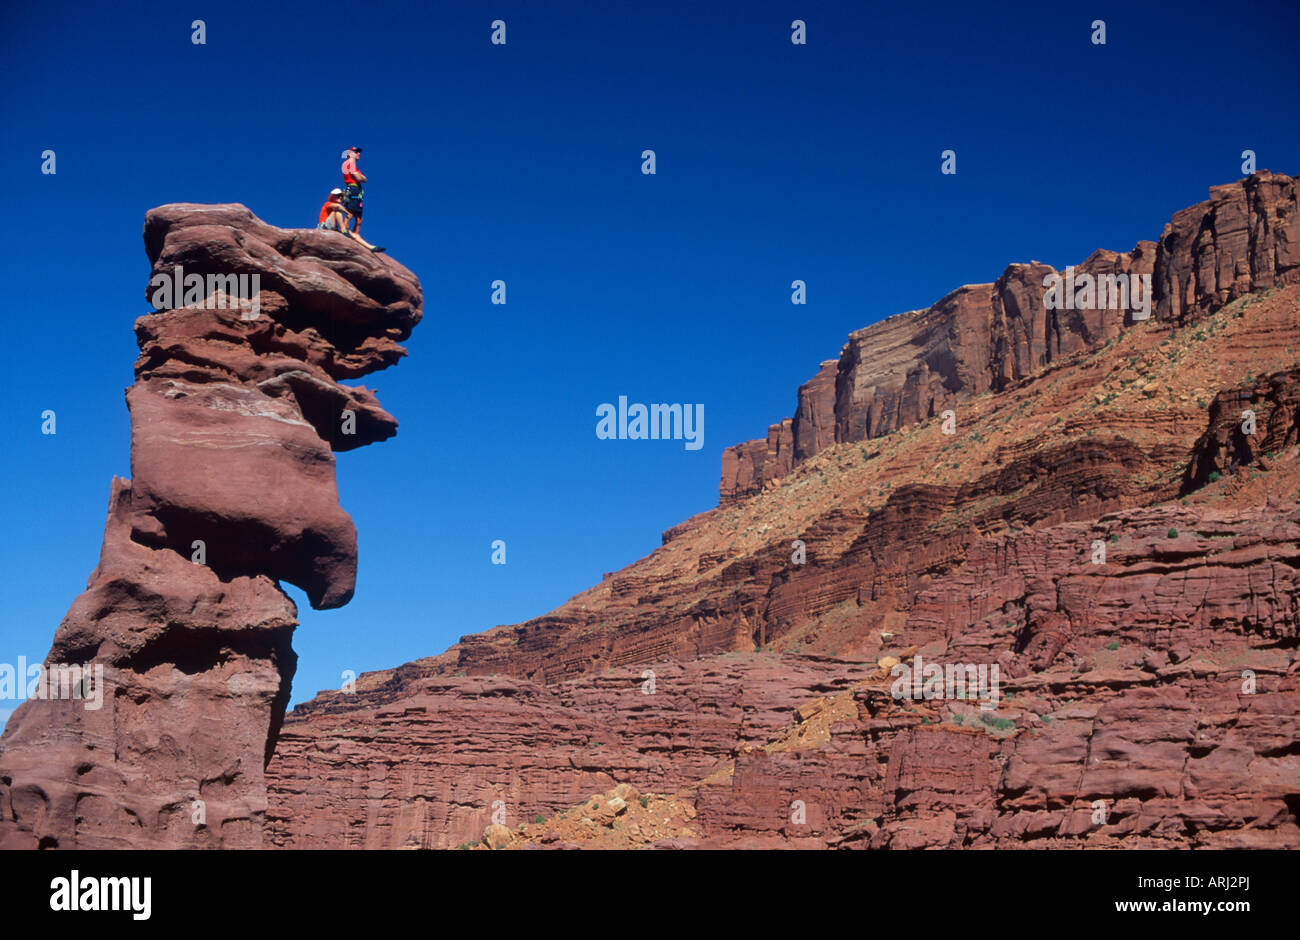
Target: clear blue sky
[{"x": 522, "y": 162}]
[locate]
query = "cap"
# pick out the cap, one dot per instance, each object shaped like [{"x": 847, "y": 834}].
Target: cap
[{"x": 336, "y": 191}]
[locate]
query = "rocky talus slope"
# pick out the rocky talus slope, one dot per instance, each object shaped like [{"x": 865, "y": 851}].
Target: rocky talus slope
[
  {"x": 236, "y": 411},
  {"x": 1112, "y": 527}
]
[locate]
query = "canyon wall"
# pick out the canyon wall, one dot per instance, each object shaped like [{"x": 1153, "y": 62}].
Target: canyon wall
[
  {"x": 984, "y": 337},
  {"x": 1102, "y": 529},
  {"x": 1149, "y": 701}
]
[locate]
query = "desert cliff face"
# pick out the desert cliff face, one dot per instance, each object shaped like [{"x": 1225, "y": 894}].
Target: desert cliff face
[
  {"x": 984, "y": 337},
  {"x": 1099, "y": 528},
  {"x": 1100, "y": 540},
  {"x": 236, "y": 412}
]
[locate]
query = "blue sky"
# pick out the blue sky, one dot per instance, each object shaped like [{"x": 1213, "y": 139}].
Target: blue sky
[{"x": 523, "y": 162}]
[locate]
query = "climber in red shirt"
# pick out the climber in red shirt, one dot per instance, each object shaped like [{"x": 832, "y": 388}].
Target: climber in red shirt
[
  {"x": 334, "y": 216},
  {"x": 354, "y": 194}
]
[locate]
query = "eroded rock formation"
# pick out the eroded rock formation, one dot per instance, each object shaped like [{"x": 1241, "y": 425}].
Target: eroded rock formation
[
  {"x": 1099, "y": 528},
  {"x": 439, "y": 751},
  {"x": 1149, "y": 700},
  {"x": 1124, "y": 719},
  {"x": 235, "y": 414}
]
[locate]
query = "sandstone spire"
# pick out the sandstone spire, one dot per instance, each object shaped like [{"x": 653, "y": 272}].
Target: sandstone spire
[{"x": 236, "y": 411}]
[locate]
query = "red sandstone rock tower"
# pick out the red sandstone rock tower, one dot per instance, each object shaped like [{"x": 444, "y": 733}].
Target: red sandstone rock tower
[{"x": 235, "y": 413}]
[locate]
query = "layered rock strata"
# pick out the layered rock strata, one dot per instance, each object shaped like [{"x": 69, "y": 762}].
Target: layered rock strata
[
  {"x": 984, "y": 337},
  {"x": 1100, "y": 528},
  {"x": 1148, "y": 701}
]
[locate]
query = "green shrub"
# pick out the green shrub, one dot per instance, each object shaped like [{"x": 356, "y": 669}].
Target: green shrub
[
  {"x": 1173, "y": 533},
  {"x": 1113, "y": 645},
  {"x": 1001, "y": 724},
  {"x": 645, "y": 801},
  {"x": 540, "y": 819},
  {"x": 1114, "y": 539},
  {"x": 1215, "y": 475}
]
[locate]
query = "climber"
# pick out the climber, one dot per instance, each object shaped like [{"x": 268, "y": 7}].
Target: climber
[
  {"x": 352, "y": 179},
  {"x": 333, "y": 218}
]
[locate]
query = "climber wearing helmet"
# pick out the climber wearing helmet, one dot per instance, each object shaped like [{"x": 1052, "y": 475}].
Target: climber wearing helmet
[
  {"x": 354, "y": 195},
  {"x": 334, "y": 216}
]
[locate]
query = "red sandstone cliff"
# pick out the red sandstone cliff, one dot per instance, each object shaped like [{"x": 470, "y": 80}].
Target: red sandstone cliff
[
  {"x": 984, "y": 337},
  {"x": 1123, "y": 721},
  {"x": 1149, "y": 690},
  {"x": 1101, "y": 528}
]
